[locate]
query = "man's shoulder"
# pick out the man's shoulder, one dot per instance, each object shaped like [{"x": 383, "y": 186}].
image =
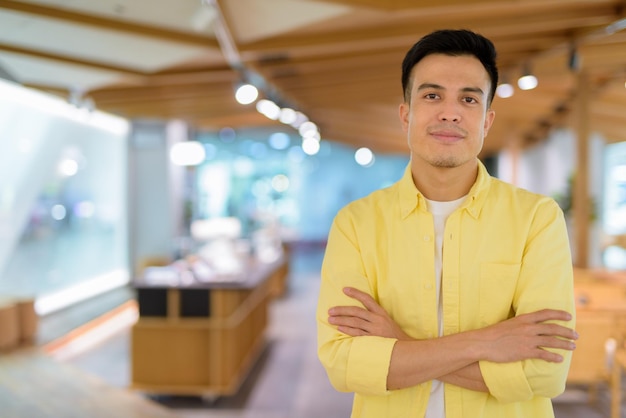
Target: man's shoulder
[{"x": 380, "y": 199}]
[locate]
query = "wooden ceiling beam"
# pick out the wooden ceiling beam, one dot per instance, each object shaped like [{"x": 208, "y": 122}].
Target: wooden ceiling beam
[
  {"x": 65, "y": 59},
  {"x": 199, "y": 76},
  {"x": 604, "y": 108},
  {"x": 390, "y": 5},
  {"x": 141, "y": 95},
  {"x": 508, "y": 24},
  {"x": 612, "y": 130},
  {"x": 117, "y": 25}
]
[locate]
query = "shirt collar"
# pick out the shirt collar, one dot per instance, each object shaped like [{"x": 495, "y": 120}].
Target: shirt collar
[{"x": 411, "y": 198}]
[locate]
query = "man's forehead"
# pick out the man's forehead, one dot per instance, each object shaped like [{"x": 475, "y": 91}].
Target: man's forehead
[{"x": 447, "y": 75}]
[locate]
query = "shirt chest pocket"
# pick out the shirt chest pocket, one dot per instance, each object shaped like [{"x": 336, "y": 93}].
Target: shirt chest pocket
[{"x": 497, "y": 291}]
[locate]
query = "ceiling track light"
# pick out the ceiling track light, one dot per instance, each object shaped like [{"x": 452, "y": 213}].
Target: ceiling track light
[
  {"x": 271, "y": 105},
  {"x": 573, "y": 61}
]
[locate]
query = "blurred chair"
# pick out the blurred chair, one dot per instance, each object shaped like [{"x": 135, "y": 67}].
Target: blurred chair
[
  {"x": 593, "y": 358},
  {"x": 619, "y": 364}
]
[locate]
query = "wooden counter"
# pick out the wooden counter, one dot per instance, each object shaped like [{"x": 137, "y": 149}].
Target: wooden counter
[{"x": 201, "y": 338}]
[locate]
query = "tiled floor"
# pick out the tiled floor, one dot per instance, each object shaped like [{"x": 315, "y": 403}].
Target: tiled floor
[{"x": 287, "y": 381}]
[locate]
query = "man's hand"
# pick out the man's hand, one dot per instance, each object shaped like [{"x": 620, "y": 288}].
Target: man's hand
[
  {"x": 527, "y": 336},
  {"x": 371, "y": 320}
]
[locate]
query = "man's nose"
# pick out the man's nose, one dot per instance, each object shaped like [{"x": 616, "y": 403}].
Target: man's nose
[
  {"x": 449, "y": 117},
  {"x": 450, "y": 113}
]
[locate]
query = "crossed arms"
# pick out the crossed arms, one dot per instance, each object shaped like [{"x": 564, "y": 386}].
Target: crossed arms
[{"x": 455, "y": 358}]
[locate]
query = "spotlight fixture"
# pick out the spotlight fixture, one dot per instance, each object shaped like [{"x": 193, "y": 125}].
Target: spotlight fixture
[
  {"x": 310, "y": 146},
  {"x": 364, "y": 157},
  {"x": 505, "y": 90},
  {"x": 287, "y": 115},
  {"x": 527, "y": 81},
  {"x": 246, "y": 94},
  {"x": 268, "y": 108},
  {"x": 307, "y": 128}
]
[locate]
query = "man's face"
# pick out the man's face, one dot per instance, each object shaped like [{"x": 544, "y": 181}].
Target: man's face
[{"x": 447, "y": 118}]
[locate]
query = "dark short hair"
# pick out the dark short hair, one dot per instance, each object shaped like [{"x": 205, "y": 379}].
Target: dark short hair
[{"x": 454, "y": 43}]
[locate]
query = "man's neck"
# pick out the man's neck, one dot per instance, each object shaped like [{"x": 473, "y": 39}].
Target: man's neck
[{"x": 444, "y": 184}]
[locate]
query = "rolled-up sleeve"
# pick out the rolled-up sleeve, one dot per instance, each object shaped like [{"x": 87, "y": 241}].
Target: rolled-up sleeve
[
  {"x": 353, "y": 364},
  {"x": 545, "y": 282}
]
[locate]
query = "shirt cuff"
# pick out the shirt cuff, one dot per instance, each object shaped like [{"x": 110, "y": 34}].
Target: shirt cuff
[
  {"x": 368, "y": 364},
  {"x": 506, "y": 381}
]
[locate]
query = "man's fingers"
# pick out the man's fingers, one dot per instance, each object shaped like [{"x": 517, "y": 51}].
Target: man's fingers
[
  {"x": 547, "y": 315},
  {"x": 557, "y": 331},
  {"x": 553, "y": 342},
  {"x": 355, "y": 311},
  {"x": 350, "y": 325},
  {"x": 366, "y": 299},
  {"x": 353, "y": 332}
]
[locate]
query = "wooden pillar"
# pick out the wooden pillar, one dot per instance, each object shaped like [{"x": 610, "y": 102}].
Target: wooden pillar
[
  {"x": 581, "y": 201},
  {"x": 514, "y": 150}
]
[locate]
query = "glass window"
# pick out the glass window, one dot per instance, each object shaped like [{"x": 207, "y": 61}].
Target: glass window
[
  {"x": 262, "y": 176},
  {"x": 614, "y": 205}
]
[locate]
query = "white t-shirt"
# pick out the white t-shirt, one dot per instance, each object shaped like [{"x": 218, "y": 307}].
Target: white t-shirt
[{"x": 440, "y": 212}]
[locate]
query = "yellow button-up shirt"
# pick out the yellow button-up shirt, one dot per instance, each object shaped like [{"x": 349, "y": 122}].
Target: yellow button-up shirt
[{"x": 505, "y": 253}]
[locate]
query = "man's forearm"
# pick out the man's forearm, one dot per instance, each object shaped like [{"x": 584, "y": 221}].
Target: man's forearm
[
  {"x": 413, "y": 362},
  {"x": 520, "y": 338},
  {"x": 418, "y": 361},
  {"x": 468, "y": 377}
]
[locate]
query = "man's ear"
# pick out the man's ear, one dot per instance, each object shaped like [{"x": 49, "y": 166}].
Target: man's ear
[
  {"x": 404, "y": 111},
  {"x": 489, "y": 117}
]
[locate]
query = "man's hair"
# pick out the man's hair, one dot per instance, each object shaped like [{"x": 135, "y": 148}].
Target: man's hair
[{"x": 454, "y": 43}]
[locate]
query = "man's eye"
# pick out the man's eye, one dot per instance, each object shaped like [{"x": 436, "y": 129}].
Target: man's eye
[
  {"x": 431, "y": 96},
  {"x": 470, "y": 100}
]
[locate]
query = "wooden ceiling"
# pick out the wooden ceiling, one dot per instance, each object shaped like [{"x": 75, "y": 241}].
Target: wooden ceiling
[{"x": 338, "y": 61}]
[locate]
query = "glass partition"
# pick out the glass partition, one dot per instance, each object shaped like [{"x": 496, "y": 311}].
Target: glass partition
[{"x": 62, "y": 201}]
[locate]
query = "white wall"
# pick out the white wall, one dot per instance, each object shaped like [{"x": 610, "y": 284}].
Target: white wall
[{"x": 546, "y": 167}]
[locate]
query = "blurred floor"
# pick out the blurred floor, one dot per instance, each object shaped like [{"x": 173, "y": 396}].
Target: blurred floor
[{"x": 287, "y": 381}]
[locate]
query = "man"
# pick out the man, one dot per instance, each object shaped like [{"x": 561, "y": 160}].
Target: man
[{"x": 450, "y": 293}]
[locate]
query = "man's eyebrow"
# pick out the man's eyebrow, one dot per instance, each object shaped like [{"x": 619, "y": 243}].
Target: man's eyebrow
[
  {"x": 424, "y": 86},
  {"x": 473, "y": 90},
  {"x": 434, "y": 86}
]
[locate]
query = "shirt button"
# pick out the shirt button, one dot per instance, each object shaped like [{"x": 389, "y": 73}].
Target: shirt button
[
  {"x": 428, "y": 286},
  {"x": 426, "y": 237}
]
